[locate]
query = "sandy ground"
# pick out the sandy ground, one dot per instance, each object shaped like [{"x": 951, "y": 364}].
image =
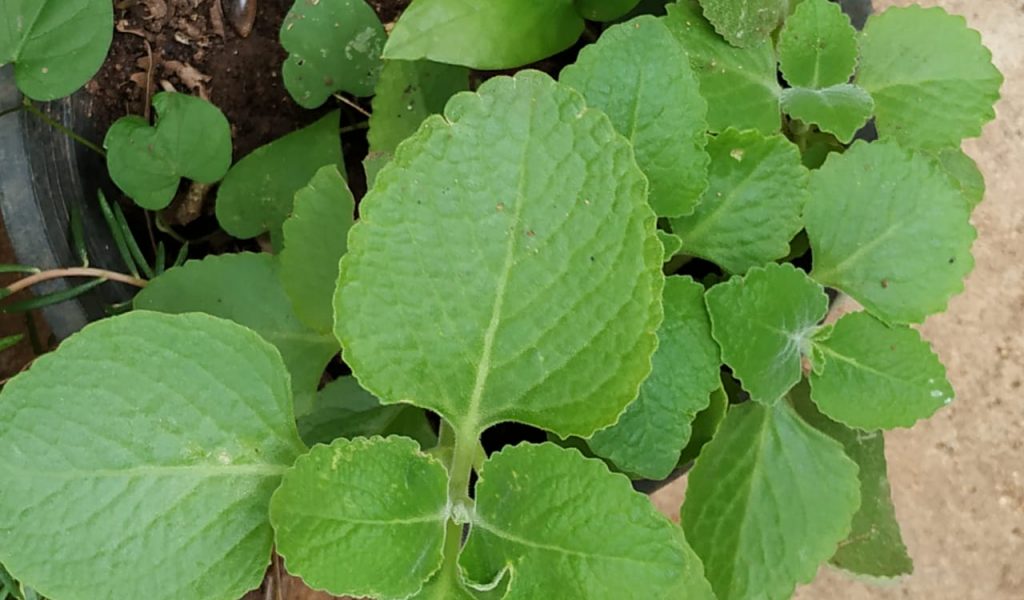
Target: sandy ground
[{"x": 958, "y": 479}]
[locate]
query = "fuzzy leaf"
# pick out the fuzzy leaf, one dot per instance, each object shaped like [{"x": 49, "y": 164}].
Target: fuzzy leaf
[
  {"x": 963, "y": 172},
  {"x": 767, "y": 502},
  {"x": 407, "y": 93},
  {"x": 650, "y": 435},
  {"x": 138, "y": 460},
  {"x": 817, "y": 46},
  {"x": 840, "y": 110},
  {"x": 763, "y": 322},
  {"x": 888, "y": 228},
  {"x": 705, "y": 425},
  {"x": 745, "y": 23},
  {"x": 574, "y": 530},
  {"x": 639, "y": 75},
  {"x": 931, "y": 77},
  {"x": 506, "y": 216},
  {"x": 56, "y": 45},
  {"x": 672, "y": 243},
  {"x": 339, "y": 500},
  {"x": 333, "y": 46},
  {"x": 191, "y": 139},
  {"x": 751, "y": 209},
  {"x": 604, "y": 10}
]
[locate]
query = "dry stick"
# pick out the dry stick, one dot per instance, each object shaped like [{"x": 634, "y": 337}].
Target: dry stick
[
  {"x": 32, "y": 280},
  {"x": 352, "y": 103}
]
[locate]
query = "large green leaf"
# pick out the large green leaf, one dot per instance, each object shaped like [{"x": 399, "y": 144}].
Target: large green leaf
[
  {"x": 840, "y": 110},
  {"x": 817, "y": 46},
  {"x": 764, "y": 322},
  {"x": 768, "y": 501},
  {"x": 931, "y": 77},
  {"x": 364, "y": 517},
  {"x": 138, "y": 460},
  {"x": 655, "y": 428},
  {"x": 56, "y": 45},
  {"x": 506, "y": 266},
  {"x": 871, "y": 376},
  {"x": 497, "y": 34},
  {"x": 258, "y": 192},
  {"x": 191, "y": 139},
  {"x": 407, "y": 93},
  {"x": 246, "y": 289},
  {"x": 745, "y": 23},
  {"x": 963, "y": 172},
  {"x": 639, "y": 75},
  {"x": 751, "y": 209},
  {"x": 604, "y": 10},
  {"x": 567, "y": 528},
  {"x": 890, "y": 229},
  {"x": 740, "y": 84},
  {"x": 332, "y": 45}
]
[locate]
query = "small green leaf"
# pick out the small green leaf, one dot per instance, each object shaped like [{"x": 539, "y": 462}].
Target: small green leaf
[
  {"x": 740, "y": 84},
  {"x": 963, "y": 172},
  {"x": 655, "y": 428},
  {"x": 245, "y": 288},
  {"x": 931, "y": 77},
  {"x": 817, "y": 46},
  {"x": 672, "y": 242},
  {"x": 56, "y": 45},
  {"x": 751, "y": 209},
  {"x": 840, "y": 110},
  {"x": 138, "y": 460},
  {"x": 639, "y": 75},
  {"x": 191, "y": 139},
  {"x": 407, "y": 93},
  {"x": 497, "y": 34},
  {"x": 588, "y": 536},
  {"x": 871, "y": 376},
  {"x": 333, "y": 46},
  {"x": 315, "y": 239},
  {"x": 258, "y": 193},
  {"x": 604, "y": 10},
  {"x": 341, "y": 500},
  {"x": 763, "y": 322},
  {"x": 745, "y": 23},
  {"x": 889, "y": 229},
  {"x": 767, "y": 502},
  {"x": 705, "y": 425}
]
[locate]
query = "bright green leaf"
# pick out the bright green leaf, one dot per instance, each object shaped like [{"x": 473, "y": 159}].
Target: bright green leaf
[
  {"x": 817, "y": 46},
  {"x": 763, "y": 322},
  {"x": 497, "y": 34},
  {"x": 372, "y": 165},
  {"x": 604, "y": 10},
  {"x": 931, "y": 77},
  {"x": 655, "y": 428},
  {"x": 745, "y": 23},
  {"x": 890, "y": 229},
  {"x": 315, "y": 239},
  {"x": 191, "y": 139},
  {"x": 56, "y": 45},
  {"x": 840, "y": 110},
  {"x": 588, "y": 536},
  {"x": 332, "y": 45},
  {"x": 450, "y": 586},
  {"x": 138, "y": 460},
  {"x": 672, "y": 242},
  {"x": 740, "y": 84},
  {"x": 705, "y": 425},
  {"x": 639, "y": 75},
  {"x": 407, "y": 93},
  {"x": 505, "y": 217},
  {"x": 963, "y": 172},
  {"x": 258, "y": 193},
  {"x": 751, "y": 209},
  {"x": 342, "y": 500},
  {"x": 768, "y": 501}
]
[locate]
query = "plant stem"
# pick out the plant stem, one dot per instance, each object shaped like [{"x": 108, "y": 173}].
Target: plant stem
[
  {"x": 12, "y": 110},
  {"x": 32, "y": 108},
  {"x": 459, "y": 474},
  {"x": 356, "y": 127},
  {"x": 32, "y": 280}
]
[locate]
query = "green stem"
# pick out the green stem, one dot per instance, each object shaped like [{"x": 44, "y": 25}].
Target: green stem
[
  {"x": 12, "y": 110},
  {"x": 32, "y": 108},
  {"x": 459, "y": 474}
]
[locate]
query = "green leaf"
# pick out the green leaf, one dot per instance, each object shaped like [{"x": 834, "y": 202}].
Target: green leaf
[
  {"x": 245, "y": 288},
  {"x": 655, "y": 428},
  {"x": 342, "y": 409},
  {"x": 767, "y": 502},
  {"x": 604, "y": 10},
  {"x": 258, "y": 192},
  {"x": 890, "y": 229},
  {"x": 931, "y": 77},
  {"x": 333, "y": 46},
  {"x": 751, "y": 209},
  {"x": 740, "y": 84},
  {"x": 567, "y": 528},
  {"x": 871, "y": 376},
  {"x": 56, "y": 45},
  {"x": 497, "y": 34},
  {"x": 639, "y": 75},
  {"x": 963, "y": 172},
  {"x": 504, "y": 218},
  {"x": 874, "y": 547},
  {"x": 745, "y": 23},
  {"x": 672, "y": 243},
  {"x": 315, "y": 239},
  {"x": 338, "y": 501},
  {"x": 191, "y": 139},
  {"x": 372, "y": 165},
  {"x": 138, "y": 460},
  {"x": 840, "y": 110},
  {"x": 763, "y": 322},
  {"x": 705, "y": 425},
  {"x": 407, "y": 93},
  {"x": 817, "y": 46}
]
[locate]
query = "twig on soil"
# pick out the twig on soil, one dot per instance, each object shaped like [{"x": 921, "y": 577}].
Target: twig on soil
[
  {"x": 352, "y": 104},
  {"x": 32, "y": 280}
]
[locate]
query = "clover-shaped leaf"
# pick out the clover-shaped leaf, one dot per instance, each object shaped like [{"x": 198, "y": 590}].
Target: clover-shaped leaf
[
  {"x": 840, "y": 110},
  {"x": 817, "y": 46}
]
